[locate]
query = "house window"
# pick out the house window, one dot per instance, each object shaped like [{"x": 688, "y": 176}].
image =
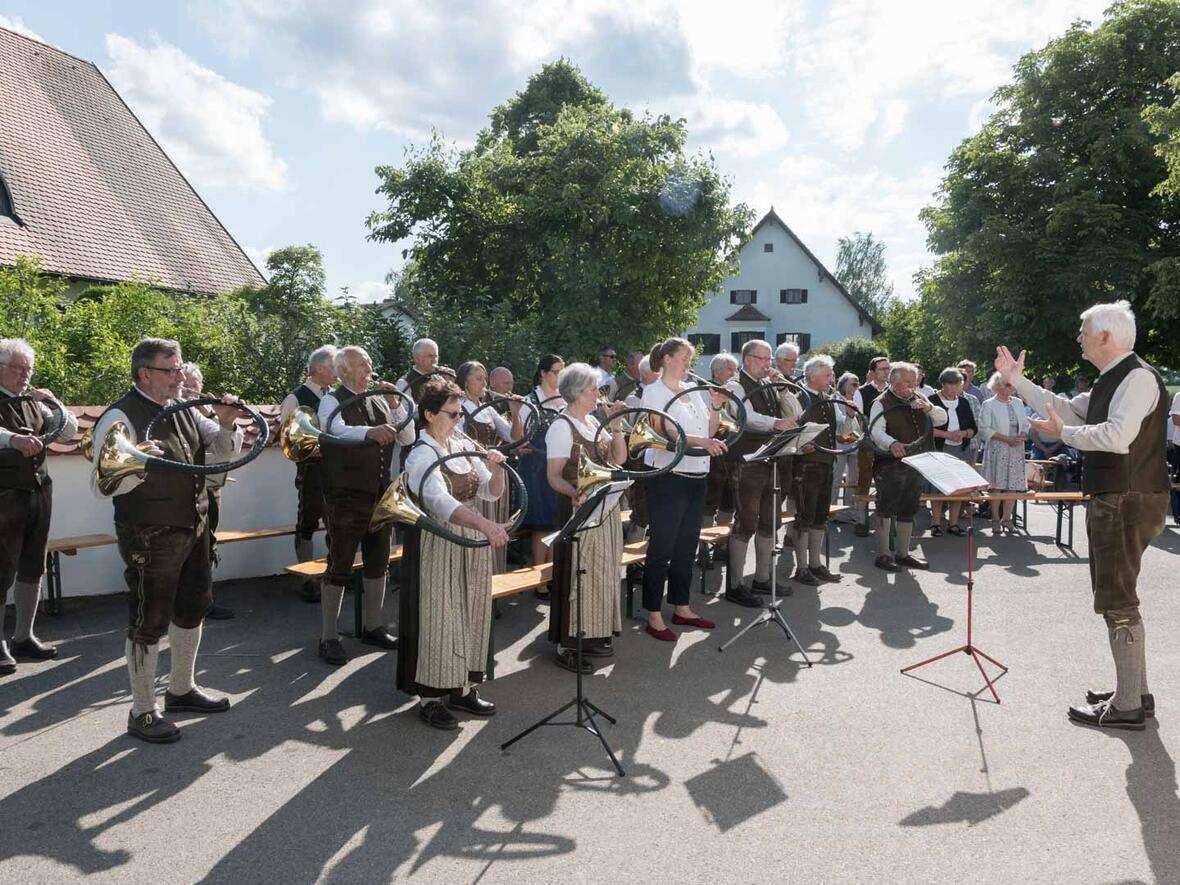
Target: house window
[
  {"x": 768, "y": 247},
  {"x": 801, "y": 339},
  {"x": 705, "y": 342},
  {"x": 737, "y": 339},
  {"x": 743, "y": 296},
  {"x": 792, "y": 296},
  {"x": 7, "y": 213}
]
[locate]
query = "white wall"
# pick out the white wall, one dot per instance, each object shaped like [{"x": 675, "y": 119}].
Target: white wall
[{"x": 263, "y": 497}]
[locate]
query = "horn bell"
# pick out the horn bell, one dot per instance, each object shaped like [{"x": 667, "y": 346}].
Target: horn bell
[
  {"x": 642, "y": 436},
  {"x": 396, "y": 505},
  {"x": 118, "y": 458},
  {"x": 299, "y": 436},
  {"x": 591, "y": 474}
]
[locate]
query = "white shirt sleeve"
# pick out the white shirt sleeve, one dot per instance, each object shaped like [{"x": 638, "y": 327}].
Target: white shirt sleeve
[
  {"x": 559, "y": 441},
  {"x": 754, "y": 420},
  {"x": 1133, "y": 401},
  {"x": 288, "y": 406},
  {"x": 130, "y": 483},
  {"x": 1072, "y": 411},
  {"x": 338, "y": 428},
  {"x": 220, "y": 444},
  {"x": 881, "y": 439},
  {"x": 51, "y": 424}
]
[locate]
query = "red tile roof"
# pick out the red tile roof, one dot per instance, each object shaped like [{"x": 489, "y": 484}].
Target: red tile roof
[
  {"x": 88, "y": 416},
  {"x": 97, "y": 198}
]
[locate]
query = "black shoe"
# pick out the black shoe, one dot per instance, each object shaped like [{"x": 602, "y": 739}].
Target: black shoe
[
  {"x": 822, "y": 572},
  {"x": 7, "y": 662},
  {"x": 861, "y": 530},
  {"x": 436, "y": 715},
  {"x": 217, "y": 612},
  {"x": 591, "y": 650},
  {"x": 309, "y": 592},
  {"x": 1103, "y": 715},
  {"x": 379, "y": 637},
  {"x": 912, "y": 562},
  {"x": 568, "y": 658},
  {"x": 1147, "y": 700},
  {"x": 195, "y": 701},
  {"x": 885, "y": 561},
  {"x": 333, "y": 652},
  {"x": 742, "y": 596},
  {"x": 153, "y": 728},
  {"x": 471, "y": 703},
  {"x": 33, "y": 649},
  {"x": 805, "y": 577}
]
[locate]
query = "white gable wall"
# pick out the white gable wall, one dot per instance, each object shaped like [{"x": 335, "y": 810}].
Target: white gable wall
[{"x": 827, "y": 316}]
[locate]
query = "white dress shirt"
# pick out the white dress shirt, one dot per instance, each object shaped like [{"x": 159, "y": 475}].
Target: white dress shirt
[
  {"x": 559, "y": 439},
  {"x": 882, "y": 439},
  {"x": 338, "y": 427},
  {"x": 290, "y": 403},
  {"x": 436, "y": 498},
  {"x": 692, "y": 413}
]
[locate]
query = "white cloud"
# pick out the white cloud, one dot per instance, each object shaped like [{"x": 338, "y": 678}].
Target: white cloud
[
  {"x": 370, "y": 291},
  {"x": 258, "y": 254},
  {"x": 210, "y": 127},
  {"x": 729, "y": 126},
  {"x": 18, "y": 25},
  {"x": 978, "y": 115}
]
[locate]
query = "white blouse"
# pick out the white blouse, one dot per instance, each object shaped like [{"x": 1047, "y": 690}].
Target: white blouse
[
  {"x": 435, "y": 498},
  {"x": 691, "y": 412},
  {"x": 559, "y": 439},
  {"x": 485, "y": 417}
]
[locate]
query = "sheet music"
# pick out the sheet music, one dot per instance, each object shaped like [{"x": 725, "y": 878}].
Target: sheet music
[
  {"x": 946, "y": 472},
  {"x": 807, "y": 433},
  {"x": 602, "y": 508}
]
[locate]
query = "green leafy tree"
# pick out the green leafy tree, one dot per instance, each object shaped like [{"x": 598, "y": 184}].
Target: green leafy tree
[
  {"x": 1056, "y": 203},
  {"x": 853, "y": 354},
  {"x": 570, "y": 224},
  {"x": 861, "y": 269}
]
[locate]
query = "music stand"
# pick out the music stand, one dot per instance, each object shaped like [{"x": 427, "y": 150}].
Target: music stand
[
  {"x": 591, "y": 514},
  {"x": 771, "y": 452}
]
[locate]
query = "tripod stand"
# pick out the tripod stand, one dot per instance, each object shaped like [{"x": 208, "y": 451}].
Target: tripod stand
[
  {"x": 590, "y": 515},
  {"x": 770, "y": 612},
  {"x": 969, "y": 648}
]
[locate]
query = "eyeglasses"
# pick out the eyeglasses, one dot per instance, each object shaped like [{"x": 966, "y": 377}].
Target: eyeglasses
[
  {"x": 454, "y": 416},
  {"x": 172, "y": 373}
]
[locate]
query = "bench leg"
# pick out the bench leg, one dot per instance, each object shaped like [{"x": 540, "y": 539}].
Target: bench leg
[
  {"x": 53, "y": 604},
  {"x": 629, "y": 584}
]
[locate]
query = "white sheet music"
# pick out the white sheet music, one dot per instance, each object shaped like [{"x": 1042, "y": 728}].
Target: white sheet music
[
  {"x": 946, "y": 472},
  {"x": 806, "y": 434},
  {"x": 601, "y": 511}
]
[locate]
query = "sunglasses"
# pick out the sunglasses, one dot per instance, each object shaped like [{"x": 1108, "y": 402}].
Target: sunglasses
[{"x": 453, "y": 415}]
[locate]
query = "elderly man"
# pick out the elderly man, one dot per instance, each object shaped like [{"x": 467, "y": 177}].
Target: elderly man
[
  {"x": 902, "y": 431},
  {"x": 357, "y": 471},
  {"x": 1120, "y": 425},
  {"x": 622, "y": 387},
  {"x": 718, "y": 508},
  {"x": 424, "y": 353},
  {"x": 26, "y": 498},
  {"x": 309, "y": 473},
  {"x": 754, "y": 496},
  {"x": 812, "y": 475},
  {"x": 501, "y": 380},
  {"x": 878, "y": 380},
  {"x": 608, "y": 359},
  {"x": 786, "y": 360},
  {"x": 162, "y": 526}
]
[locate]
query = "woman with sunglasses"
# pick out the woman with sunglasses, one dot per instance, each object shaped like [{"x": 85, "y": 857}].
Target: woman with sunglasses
[{"x": 445, "y": 607}]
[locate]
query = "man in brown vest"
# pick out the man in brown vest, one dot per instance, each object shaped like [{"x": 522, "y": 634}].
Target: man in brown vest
[
  {"x": 903, "y": 430},
  {"x": 811, "y": 475},
  {"x": 161, "y": 522},
  {"x": 424, "y": 353},
  {"x": 357, "y": 471},
  {"x": 1120, "y": 427},
  {"x": 26, "y": 498}
]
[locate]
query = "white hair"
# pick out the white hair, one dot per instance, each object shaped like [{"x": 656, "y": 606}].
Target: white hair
[
  {"x": 496, "y": 372},
  {"x": 1118, "y": 319},
  {"x": 10, "y": 347},
  {"x": 644, "y": 367},
  {"x": 817, "y": 362},
  {"x": 192, "y": 369},
  {"x": 722, "y": 360},
  {"x": 786, "y": 348},
  {"x": 321, "y": 356},
  {"x": 895, "y": 370},
  {"x": 574, "y": 379},
  {"x": 846, "y": 379},
  {"x": 421, "y": 344},
  {"x": 340, "y": 358}
]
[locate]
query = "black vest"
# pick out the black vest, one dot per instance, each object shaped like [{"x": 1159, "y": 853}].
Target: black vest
[
  {"x": 905, "y": 424},
  {"x": 358, "y": 468},
  {"x": 307, "y": 398},
  {"x": 415, "y": 379},
  {"x": 165, "y": 497},
  {"x": 762, "y": 399},
  {"x": 966, "y": 420},
  {"x": 1144, "y": 467},
  {"x": 820, "y": 412},
  {"x": 868, "y": 393},
  {"x": 627, "y": 386},
  {"x": 19, "y": 471}
]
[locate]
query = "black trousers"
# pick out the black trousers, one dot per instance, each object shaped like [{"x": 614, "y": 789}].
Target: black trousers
[
  {"x": 24, "y": 532},
  {"x": 674, "y": 506},
  {"x": 899, "y": 489},
  {"x": 168, "y": 573},
  {"x": 309, "y": 482},
  {"x": 812, "y": 493},
  {"x": 349, "y": 512}
]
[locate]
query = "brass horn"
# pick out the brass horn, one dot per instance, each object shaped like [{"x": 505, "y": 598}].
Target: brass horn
[
  {"x": 118, "y": 458},
  {"x": 299, "y": 437},
  {"x": 396, "y": 505},
  {"x": 591, "y": 474},
  {"x": 86, "y": 444}
]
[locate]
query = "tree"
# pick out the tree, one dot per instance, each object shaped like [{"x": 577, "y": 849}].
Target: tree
[
  {"x": 853, "y": 354},
  {"x": 1056, "y": 203},
  {"x": 860, "y": 268},
  {"x": 568, "y": 225}
]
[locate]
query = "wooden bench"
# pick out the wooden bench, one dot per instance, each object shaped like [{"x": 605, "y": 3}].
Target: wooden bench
[
  {"x": 316, "y": 568},
  {"x": 53, "y": 553}
]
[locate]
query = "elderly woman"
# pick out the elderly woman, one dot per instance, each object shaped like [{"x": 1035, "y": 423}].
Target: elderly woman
[
  {"x": 571, "y": 433},
  {"x": 954, "y": 437},
  {"x": 446, "y": 590},
  {"x": 845, "y": 465},
  {"x": 541, "y": 518},
  {"x": 1003, "y": 425}
]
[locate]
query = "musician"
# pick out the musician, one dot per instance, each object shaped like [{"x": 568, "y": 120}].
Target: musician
[
  {"x": 754, "y": 492},
  {"x": 571, "y": 433},
  {"x": 501, "y": 383},
  {"x": 445, "y": 607},
  {"x": 876, "y": 382},
  {"x": 630, "y": 381},
  {"x": 424, "y": 353},
  {"x": 1120, "y": 425},
  {"x": 786, "y": 360},
  {"x": 719, "y": 505},
  {"x": 608, "y": 360},
  {"x": 637, "y": 493},
  {"x": 162, "y": 526},
  {"x": 355, "y": 476},
  {"x": 26, "y": 498},
  {"x": 676, "y": 499},
  {"x": 541, "y": 517},
  {"x": 812, "y": 474},
  {"x": 309, "y": 473},
  {"x": 903, "y": 431}
]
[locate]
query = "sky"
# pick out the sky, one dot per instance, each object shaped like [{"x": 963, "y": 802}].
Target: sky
[{"x": 838, "y": 114}]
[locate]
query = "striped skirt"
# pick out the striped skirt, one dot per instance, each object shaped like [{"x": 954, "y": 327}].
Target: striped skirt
[{"x": 601, "y": 551}]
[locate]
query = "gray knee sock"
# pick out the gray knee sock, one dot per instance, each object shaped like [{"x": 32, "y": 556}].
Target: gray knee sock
[
  {"x": 905, "y": 531},
  {"x": 26, "y": 594},
  {"x": 802, "y": 553},
  {"x": 330, "y": 599},
  {"x": 373, "y": 603},
  {"x": 141, "y": 667},
  {"x": 815, "y": 542},
  {"x": 303, "y": 549},
  {"x": 1126, "y": 642},
  {"x": 763, "y": 546},
  {"x": 736, "y": 569},
  {"x": 183, "y": 643},
  {"x": 883, "y": 536}
]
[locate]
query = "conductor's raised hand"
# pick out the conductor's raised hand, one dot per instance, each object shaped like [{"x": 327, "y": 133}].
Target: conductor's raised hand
[
  {"x": 1050, "y": 425},
  {"x": 1012, "y": 368}
]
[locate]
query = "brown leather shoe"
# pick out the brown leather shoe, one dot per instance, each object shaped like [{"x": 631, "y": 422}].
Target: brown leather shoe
[
  {"x": 152, "y": 727},
  {"x": 1147, "y": 700},
  {"x": 885, "y": 561},
  {"x": 910, "y": 561},
  {"x": 1104, "y": 715}
]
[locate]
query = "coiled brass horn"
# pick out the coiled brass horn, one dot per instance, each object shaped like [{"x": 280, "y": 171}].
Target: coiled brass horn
[
  {"x": 118, "y": 458},
  {"x": 53, "y": 404},
  {"x": 299, "y": 437},
  {"x": 640, "y": 436}
]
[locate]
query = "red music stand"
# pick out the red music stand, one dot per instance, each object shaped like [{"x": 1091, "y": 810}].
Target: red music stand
[{"x": 969, "y": 648}]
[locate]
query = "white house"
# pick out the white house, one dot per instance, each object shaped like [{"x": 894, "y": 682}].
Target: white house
[{"x": 782, "y": 292}]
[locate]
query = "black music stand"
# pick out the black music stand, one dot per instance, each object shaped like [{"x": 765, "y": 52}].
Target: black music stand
[
  {"x": 771, "y": 452},
  {"x": 591, "y": 514}
]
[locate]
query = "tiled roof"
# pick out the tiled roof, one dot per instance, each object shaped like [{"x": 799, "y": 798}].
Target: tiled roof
[
  {"x": 96, "y": 196},
  {"x": 88, "y": 416},
  {"x": 747, "y": 313}
]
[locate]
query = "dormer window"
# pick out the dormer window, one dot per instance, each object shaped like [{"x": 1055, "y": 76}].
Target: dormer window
[{"x": 7, "y": 213}]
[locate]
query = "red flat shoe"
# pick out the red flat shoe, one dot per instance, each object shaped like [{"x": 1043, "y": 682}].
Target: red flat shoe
[
  {"x": 700, "y": 623},
  {"x": 666, "y": 635}
]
